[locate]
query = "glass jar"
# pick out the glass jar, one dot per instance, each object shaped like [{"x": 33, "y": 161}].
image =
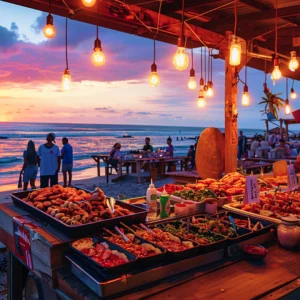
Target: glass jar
[{"x": 288, "y": 232}]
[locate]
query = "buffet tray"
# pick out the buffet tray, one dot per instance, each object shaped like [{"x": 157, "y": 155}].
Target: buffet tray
[
  {"x": 117, "y": 270},
  {"x": 250, "y": 214},
  {"x": 139, "y": 216},
  {"x": 139, "y": 277}
]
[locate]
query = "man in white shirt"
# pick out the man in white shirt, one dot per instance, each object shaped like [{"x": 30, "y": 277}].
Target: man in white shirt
[
  {"x": 49, "y": 160},
  {"x": 273, "y": 140}
]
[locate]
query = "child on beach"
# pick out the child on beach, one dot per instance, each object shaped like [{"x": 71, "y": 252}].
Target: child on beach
[{"x": 29, "y": 168}]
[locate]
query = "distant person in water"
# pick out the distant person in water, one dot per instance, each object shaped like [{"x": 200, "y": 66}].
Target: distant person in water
[
  {"x": 192, "y": 154},
  {"x": 170, "y": 148},
  {"x": 147, "y": 147},
  {"x": 30, "y": 167},
  {"x": 67, "y": 161},
  {"x": 49, "y": 161},
  {"x": 114, "y": 155}
]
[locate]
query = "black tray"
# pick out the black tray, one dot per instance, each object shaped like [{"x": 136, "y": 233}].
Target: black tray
[
  {"x": 194, "y": 230},
  {"x": 243, "y": 233},
  {"x": 139, "y": 216},
  {"x": 149, "y": 260},
  {"x": 181, "y": 254},
  {"x": 118, "y": 270},
  {"x": 267, "y": 225}
]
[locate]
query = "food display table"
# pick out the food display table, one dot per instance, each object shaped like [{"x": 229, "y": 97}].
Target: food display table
[
  {"x": 229, "y": 278},
  {"x": 184, "y": 176},
  {"x": 288, "y": 159}
]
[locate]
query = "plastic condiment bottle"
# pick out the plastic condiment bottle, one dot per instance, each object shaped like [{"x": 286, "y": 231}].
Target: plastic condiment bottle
[
  {"x": 151, "y": 197},
  {"x": 164, "y": 204}
]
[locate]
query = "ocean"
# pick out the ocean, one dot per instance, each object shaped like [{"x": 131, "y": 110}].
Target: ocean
[{"x": 87, "y": 139}]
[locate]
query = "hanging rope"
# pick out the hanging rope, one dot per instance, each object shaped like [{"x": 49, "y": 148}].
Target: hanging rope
[
  {"x": 287, "y": 88},
  {"x": 276, "y": 29},
  {"x": 67, "y": 64},
  {"x": 246, "y": 67},
  {"x": 201, "y": 62},
  {"x": 154, "y": 51},
  {"x": 235, "y": 18},
  {"x": 182, "y": 18},
  {"x": 211, "y": 67},
  {"x": 192, "y": 59}
]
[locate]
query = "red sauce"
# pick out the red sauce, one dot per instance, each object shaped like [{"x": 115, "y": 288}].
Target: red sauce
[{"x": 255, "y": 250}]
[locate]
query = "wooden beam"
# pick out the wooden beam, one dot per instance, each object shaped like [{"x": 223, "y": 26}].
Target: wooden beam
[
  {"x": 263, "y": 7},
  {"x": 246, "y": 19},
  {"x": 176, "y": 5}
]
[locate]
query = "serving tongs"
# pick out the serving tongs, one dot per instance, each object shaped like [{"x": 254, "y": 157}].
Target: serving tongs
[
  {"x": 231, "y": 219},
  {"x": 117, "y": 229}
]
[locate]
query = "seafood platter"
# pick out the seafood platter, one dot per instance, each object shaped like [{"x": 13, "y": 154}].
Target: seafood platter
[{"x": 112, "y": 248}]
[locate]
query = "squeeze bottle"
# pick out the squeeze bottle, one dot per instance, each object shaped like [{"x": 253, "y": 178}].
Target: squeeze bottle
[
  {"x": 151, "y": 197},
  {"x": 164, "y": 204}
]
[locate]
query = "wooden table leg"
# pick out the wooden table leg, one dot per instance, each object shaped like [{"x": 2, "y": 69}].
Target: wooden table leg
[
  {"x": 120, "y": 168},
  {"x": 16, "y": 277},
  {"x": 98, "y": 167},
  {"x": 127, "y": 168},
  {"x": 138, "y": 171}
]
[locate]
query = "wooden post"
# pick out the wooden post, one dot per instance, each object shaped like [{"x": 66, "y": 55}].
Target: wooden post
[
  {"x": 231, "y": 123},
  {"x": 281, "y": 133},
  {"x": 267, "y": 128}
]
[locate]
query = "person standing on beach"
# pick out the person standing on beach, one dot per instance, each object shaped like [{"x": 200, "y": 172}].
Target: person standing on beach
[
  {"x": 29, "y": 168},
  {"x": 49, "y": 161},
  {"x": 192, "y": 154},
  {"x": 67, "y": 161},
  {"x": 242, "y": 145},
  {"x": 170, "y": 148},
  {"x": 147, "y": 147}
]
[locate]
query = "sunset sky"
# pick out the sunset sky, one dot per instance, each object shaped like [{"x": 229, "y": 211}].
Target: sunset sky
[{"x": 31, "y": 68}]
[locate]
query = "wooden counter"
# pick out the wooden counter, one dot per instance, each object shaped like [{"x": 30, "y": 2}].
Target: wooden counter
[{"x": 277, "y": 277}]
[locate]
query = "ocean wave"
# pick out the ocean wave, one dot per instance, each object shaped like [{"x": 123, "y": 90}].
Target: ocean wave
[{"x": 11, "y": 159}]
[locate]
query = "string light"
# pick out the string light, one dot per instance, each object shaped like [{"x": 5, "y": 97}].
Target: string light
[
  {"x": 293, "y": 64},
  {"x": 98, "y": 57},
  {"x": 49, "y": 29},
  {"x": 235, "y": 46},
  {"x": 201, "y": 101},
  {"x": 181, "y": 59},
  {"x": 192, "y": 84},
  {"x": 287, "y": 108},
  {"x": 276, "y": 74},
  {"x": 66, "y": 78},
  {"x": 88, "y": 3},
  {"x": 245, "y": 97},
  {"x": 154, "y": 79},
  {"x": 210, "y": 91}
]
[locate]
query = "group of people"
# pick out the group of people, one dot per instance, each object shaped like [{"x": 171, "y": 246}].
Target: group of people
[
  {"x": 50, "y": 159},
  {"x": 273, "y": 142},
  {"x": 115, "y": 152}
]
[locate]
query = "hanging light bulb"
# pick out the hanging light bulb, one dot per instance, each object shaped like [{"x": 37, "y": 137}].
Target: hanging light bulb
[
  {"x": 235, "y": 52},
  {"x": 98, "y": 57},
  {"x": 287, "y": 108},
  {"x": 66, "y": 80},
  {"x": 192, "y": 84},
  {"x": 276, "y": 74},
  {"x": 293, "y": 95},
  {"x": 154, "y": 79},
  {"x": 49, "y": 30},
  {"x": 201, "y": 101},
  {"x": 245, "y": 97},
  {"x": 180, "y": 59},
  {"x": 210, "y": 91},
  {"x": 293, "y": 64},
  {"x": 88, "y": 3}
]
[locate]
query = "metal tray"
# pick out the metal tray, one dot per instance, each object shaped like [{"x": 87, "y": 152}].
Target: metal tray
[
  {"x": 121, "y": 269},
  {"x": 149, "y": 260},
  {"x": 203, "y": 248},
  {"x": 181, "y": 254},
  {"x": 267, "y": 225},
  {"x": 139, "y": 216},
  {"x": 243, "y": 233},
  {"x": 138, "y": 278},
  {"x": 251, "y": 214}
]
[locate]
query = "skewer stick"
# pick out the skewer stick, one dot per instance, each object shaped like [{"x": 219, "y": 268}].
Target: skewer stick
[
  {"x": 108, "y": 231},
  {"x": 130, "y": 229}
]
